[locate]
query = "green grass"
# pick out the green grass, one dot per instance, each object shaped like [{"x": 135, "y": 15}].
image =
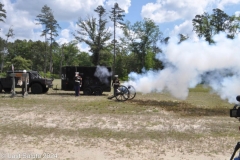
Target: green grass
[
  {"x": 200, "y": 102},
  {"x": 27, "y": 130},
  {"x": 200, "y": 88}
]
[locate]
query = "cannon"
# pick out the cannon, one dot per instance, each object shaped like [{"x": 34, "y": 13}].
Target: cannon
[{"x": 125, "y": 93}]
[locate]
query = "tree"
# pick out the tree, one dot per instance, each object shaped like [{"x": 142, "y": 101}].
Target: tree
[
  {"x": 84, "y": 59},
  {"x": 42, "y": 20},
  {"x": 121, "y": 65},
  {"x": 208, "y": 25},
  {"x": 47, "y": 19},
  {"x": 218, "y": 21},
  {"x": 182, "y": 38},
  {"x": 101, "y": 28},
  {"x": 21, "y": 63},
  {"x": 117, "y": 18},
  {"x": 53, "y": 26},
  {"x": 165, "y": 40},
  {"x": 139, "y": 45},
  {"x": 202, "y": 26},
  {"x": 5, "y": 47},
  {"x": 29, "y": 50},
  {"x": 2, "y": 46},
  {"x": 2, "y": 12},
  {"x": 233, "y": 26},
  {"x": 36, "y": 52},
  {"x": 70, "y": 54},
  {"x": 147, "y": 34},
  {"x": 95, "y": 35}
]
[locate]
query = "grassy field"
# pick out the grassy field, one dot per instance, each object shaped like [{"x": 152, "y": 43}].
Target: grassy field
[{"x": 151, "y": 126}]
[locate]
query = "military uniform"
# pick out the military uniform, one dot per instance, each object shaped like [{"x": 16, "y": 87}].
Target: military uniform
[{"x": 77, "y": 84}]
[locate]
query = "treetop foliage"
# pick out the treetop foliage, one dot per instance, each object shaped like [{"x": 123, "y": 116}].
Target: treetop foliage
[
  {"x": 207, "y": 25},
  {"x": 2, "y": 12}
]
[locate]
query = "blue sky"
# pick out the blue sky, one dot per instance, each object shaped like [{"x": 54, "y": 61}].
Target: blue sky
[
  {"x": 135, "y": 10},
  {"x": 173, "y": 16}
]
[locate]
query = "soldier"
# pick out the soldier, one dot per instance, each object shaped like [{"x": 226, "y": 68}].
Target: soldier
[
  {"x": 77, "y": 83},
  {"x": 24, "y": 79},
  {"x": 115, "y": 84}
]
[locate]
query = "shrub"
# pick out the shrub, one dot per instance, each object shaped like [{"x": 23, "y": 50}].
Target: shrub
[{"x": 49, "y": 75}]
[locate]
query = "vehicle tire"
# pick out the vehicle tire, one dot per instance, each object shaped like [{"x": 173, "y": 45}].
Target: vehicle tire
[
  {"x": 36, "y": 88},
  {"x": 87, "y": 91},
  {"x": 1, "y": 88},
  {"x": 7, "y": 90},
  {"x": 97, "y": 91},
  {"x": 45, "y": 90}
]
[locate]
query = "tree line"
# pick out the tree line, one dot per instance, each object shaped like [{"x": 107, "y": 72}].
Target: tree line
[{"x": 134, "y": 51}]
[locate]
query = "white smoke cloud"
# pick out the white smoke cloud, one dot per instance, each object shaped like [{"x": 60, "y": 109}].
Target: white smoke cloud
[
  {"x": 102, "y": 73},
  {"x": 190, "y": 63}
]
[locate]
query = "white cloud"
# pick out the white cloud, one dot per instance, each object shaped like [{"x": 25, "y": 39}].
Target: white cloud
[
  {"x": 181, "y": 13},
  {"x": 237, "y": 13},
  {"x": 21, "y": 16},
  {"x": 83, "y": 48},
  {"x": 20, "y": 21},
  {"x": 65, "y": 36},
  {"x": 224, "y": 3},
  {"x": 64, "y": 10},
  {"x": 65, "y": 33},
  {"x": 171, "y": 10},
  {"x": 184, "y": 28}
]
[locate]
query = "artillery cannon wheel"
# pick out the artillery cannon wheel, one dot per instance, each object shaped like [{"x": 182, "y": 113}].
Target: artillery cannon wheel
[
  {"x": 132, "y": 92},
  {"x": 122, "y": 94}
]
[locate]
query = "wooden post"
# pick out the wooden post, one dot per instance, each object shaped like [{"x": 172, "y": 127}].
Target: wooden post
[{"x": 13, "y": 85}]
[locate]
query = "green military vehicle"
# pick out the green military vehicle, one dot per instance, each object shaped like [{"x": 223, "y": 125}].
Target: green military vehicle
[{"x": 37, "y": 84}]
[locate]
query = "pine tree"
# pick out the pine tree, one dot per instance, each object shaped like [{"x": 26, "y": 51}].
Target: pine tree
[{"x": 117, "y": 18}]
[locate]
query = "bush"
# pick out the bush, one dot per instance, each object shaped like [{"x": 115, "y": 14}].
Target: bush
[
  {"x": 49, "y": 75},
  {"x": 3, "y": 74}
]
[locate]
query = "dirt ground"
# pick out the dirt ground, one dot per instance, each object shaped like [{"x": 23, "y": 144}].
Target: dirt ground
[{"x": 47, "y": 127}]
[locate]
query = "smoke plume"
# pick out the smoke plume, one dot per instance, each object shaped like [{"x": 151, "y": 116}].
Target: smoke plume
[
  {"x": 103, "y": 74},
  {"x": 190, "y": 63}
]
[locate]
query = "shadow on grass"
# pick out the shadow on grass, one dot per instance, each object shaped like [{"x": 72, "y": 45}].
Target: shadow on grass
[
  {"x": 71, "y": 94},
  {"x": 182, "y": 108}
]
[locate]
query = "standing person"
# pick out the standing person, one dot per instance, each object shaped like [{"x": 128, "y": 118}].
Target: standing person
[
  {"x": 115, "y": 84},
  {"x": 77, "y": 83},
  {"x": 24, "y": 79}
]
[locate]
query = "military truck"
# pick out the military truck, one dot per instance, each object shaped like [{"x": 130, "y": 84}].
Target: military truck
[
  {"x": 95, "y": 80},
  {"x": 37, "y": 84}
]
